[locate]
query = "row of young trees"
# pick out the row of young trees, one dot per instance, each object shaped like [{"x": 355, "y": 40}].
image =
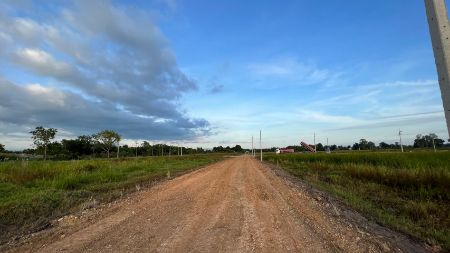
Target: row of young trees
[
  {"x": 83, "y": 145},
  {"x": 103, "y": 143}
]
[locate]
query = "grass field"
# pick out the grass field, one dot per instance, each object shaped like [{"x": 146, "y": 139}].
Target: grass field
[
  {"x": 409, "y": 192},
  {"x": 33, "y": 193}
]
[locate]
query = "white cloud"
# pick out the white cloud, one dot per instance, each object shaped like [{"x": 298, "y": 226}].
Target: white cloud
[
  {"x": 289, "y": 69},
  {"x": 321, "y": 117},
  {"x": 115, "y": 62},
  {"x": 41, "y": 62},
  {"x": 53, "y": 96},
  {"x": 39, "y": 105}
]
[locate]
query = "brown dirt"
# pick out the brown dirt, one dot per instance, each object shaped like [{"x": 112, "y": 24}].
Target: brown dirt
[{"x": 237, "y": 205}]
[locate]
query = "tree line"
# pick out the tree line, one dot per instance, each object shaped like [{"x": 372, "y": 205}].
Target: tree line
[
  {"x": 102, "y": 144},
  {"x": 421, "y": 141},
  {"x": 106, "y": 144}
]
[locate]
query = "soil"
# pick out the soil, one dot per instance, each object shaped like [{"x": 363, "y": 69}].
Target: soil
[{"x": 236, "y": 205}]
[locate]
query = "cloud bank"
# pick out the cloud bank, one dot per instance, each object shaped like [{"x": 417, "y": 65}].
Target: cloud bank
[{"x": 92, "y": 65}]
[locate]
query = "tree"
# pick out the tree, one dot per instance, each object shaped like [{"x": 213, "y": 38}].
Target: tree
[
  {"x": 419, "y": 142},
  {"x": 370, "y": 145},
  {"x": 356, "y": 146},
  {"x": 107, "y": 139},
  {"x": 42, "y": 136},
  {"x": 2, "y": 148},
  {"x": 319, "y": 147},
  {"x": 363, "y": 144},
  {"x": 148, "y": 149},
  {"x": 426, "y": 141},
  {"x": 78, "y": 147},
  {"x": 237, "y": 148},
  {"x": 54, "y": 148},
  {"x": 218, "y": 149}
]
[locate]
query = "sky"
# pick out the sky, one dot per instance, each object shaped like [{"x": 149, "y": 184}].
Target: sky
[{"x": 209, "y": 73}]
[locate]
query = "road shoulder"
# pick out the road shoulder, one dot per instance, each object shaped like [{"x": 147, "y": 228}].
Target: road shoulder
[{"x": 335, "y": 207}]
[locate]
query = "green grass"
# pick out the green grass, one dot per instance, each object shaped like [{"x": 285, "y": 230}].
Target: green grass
[
  {"x": 409, "y": 192},
  {"x": 35, "y": 192}
]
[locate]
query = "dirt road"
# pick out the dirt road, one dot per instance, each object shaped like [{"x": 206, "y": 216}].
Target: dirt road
[{"x": 237, "y": 205}]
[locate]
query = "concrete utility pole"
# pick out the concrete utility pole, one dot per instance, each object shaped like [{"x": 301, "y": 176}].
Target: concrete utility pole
[
  {"x": 440, "y": 39},
  {"x": 260, "y": 145},
  {"x": 400, "y": 135},
  {"x": 252, "y": 146},
  {"x": 315, "y": 150}
]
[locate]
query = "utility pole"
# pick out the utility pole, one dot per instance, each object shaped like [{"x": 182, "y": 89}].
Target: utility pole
[
  {"x": 260, "y": 145},
  {"x": 181, "y": 149},
  {"x": 252, "y": 146},
  {"x": 118, "y": 149},
  {"x": 400, "y": 135},
  {"x": 440, "y": 34},
  {"x": 315, "y": 150}
]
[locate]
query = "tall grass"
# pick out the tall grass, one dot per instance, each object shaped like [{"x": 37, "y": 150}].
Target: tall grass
[
  {"x": 409, "y": 192},
  {"x": 35, "y": 192}
]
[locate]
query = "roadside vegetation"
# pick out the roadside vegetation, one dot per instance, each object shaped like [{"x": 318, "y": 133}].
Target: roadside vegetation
[
  {"x": 32, "y": 193},
  {"x": 103, "y": 144},
  {"x": 409, "y": 192}
]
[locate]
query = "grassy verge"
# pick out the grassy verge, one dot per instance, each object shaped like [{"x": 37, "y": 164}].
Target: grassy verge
[
  {"x": 33, "y": 193},
  {"x": 409, "y": 192}
]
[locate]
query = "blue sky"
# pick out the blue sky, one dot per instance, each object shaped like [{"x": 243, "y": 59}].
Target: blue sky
[{"x": 207, "y": 73}]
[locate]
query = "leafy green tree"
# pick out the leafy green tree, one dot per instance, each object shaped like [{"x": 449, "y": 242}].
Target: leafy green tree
[
  {"x": 55, "y": 148},
  {"x": 83, "y": 145},
  {"x": 363, "y": 144},
  {"x": 147, "y": 148},
  {"x": 237, "y": 148},
  {"x": 2, "y": 148},
  {"x": 107, "y": 139},
  {"x": 319, "y": 147},
  {"x": 384, "y": 145},
  {"x": 42, "y": 136},
  {"x": 426, "y": 141},
  {"x": 218, "y": 149}
]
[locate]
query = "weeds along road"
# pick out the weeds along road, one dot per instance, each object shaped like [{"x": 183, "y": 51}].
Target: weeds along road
[{"x": 237, "y": 205}]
